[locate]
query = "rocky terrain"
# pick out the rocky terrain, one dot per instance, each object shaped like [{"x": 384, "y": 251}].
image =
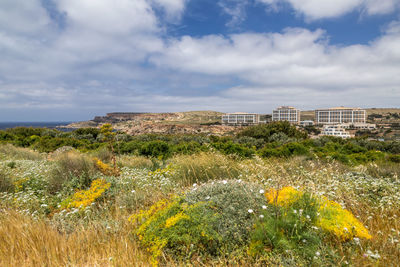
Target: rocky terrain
[{"x": 191, "y": 122}]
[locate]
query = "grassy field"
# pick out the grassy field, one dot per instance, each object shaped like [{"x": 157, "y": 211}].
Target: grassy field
[{"x": 54, "y": 214}]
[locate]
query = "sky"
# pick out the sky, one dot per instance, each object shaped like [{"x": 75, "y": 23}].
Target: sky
[{"x": 70, "y": 60}]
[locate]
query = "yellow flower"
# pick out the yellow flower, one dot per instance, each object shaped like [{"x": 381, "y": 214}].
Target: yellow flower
[
  {"x": 84, "y": 198},
  {"x": 283, "y": 197},
  {"x": 333, "y": 218}
]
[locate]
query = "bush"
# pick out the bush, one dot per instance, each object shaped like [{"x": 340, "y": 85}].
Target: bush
[
  {"x": 229, "y": 148},
  {"x": 157, "y": 149},
  {"x": 213, "y": 219},
  {"x": 394, "y": 158},
  {"x": 265, "y": 131},
  {"x": 188, "y": 148},
  {"x": 288, "y": 229},
  {"x": 72, "y": 170}
]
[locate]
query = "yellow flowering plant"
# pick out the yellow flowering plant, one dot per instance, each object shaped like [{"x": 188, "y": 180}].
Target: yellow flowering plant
[
  {"x": 332, "y": 217},
  {"x": 84, "y": 198},
  {"x": 174, "y": 226},
  {"x": 105, "y": 169}
]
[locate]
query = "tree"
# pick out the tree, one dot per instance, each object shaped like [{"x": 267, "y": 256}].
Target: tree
[{"x": 109, "y": 136}]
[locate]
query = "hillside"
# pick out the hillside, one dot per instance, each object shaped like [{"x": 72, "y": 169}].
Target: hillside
[{"x": 191, "y": 122}]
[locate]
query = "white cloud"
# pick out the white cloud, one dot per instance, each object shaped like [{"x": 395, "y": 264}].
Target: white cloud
[
  {"x": 98, "y": 60},
  {"x": 296, "y": 58},
  {"x": 236, "y": 9},
  {"x": 173, "y": 8},
  {"x": 23, "y": 17},
  {"x": 318, "y": 9}
]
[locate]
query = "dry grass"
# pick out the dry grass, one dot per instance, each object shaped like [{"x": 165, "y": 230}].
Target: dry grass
[
  {"x": 204, "y": 167},
  {"x": 385, "y": 229},
  {"x": 11, "y": 152},
  {"x": 135, "y": 162},
  {"x": 26, "y": 242}
]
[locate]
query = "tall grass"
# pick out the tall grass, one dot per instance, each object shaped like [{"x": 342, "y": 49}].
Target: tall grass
[
  {"x": 28, "y": 242},
  {"x": 9, "y": 151},
  {"x": 204, "y": 167},
  {"x": 71, "y": 165}
]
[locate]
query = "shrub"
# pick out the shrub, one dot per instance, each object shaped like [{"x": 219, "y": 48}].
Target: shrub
[
  {"x": 229, "y": 148},
  {"x": 69, "y": 166},
  {"x": 265, "y": 131},
  {"x": 332, "y": 217},
  {"x": 158, "y": 149},
  {"x": 288, "y": 229},
  {"x": 188, "y": 148},
  {"x": 103, "y": 153},
  {"x": 211, "y": 219},
  {"x": 394, "y": 158}
]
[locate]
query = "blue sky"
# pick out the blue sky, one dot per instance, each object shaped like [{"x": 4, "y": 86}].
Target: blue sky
[{"x": 73, "y": 59}]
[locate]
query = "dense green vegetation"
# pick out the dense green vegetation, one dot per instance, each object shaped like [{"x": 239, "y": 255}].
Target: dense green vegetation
[{"x": 279, "y": 139}]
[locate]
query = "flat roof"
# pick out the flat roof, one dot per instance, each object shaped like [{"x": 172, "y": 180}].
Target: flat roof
[
  {"x": 338, "y": 108},
  {"x": 241, "y": 113}
]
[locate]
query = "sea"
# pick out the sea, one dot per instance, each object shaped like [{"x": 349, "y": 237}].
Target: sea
[{"x": 49, "y": 125}]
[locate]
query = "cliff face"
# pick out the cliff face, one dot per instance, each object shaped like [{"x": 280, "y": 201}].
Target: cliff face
[{"x": 192, "y": 122}]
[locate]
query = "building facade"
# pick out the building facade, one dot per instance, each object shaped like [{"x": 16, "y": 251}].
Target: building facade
[
  {"x": 240, "y": 118},
  {"x": 340, "y": 115},
  {"x": 335, "y": 130},
  {"x": 286, "y": 113}
]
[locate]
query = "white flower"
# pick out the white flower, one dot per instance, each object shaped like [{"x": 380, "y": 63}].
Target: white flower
[
  {"x": 304, "y": 241},
  {"x": 224, "y": 181},
  {"x": 194, "y": 185},
  {"x": 262, "y": 191},
  {"x": 295, "y": 211},
  {"x": 207, "y": 197},
  {"x": 133, "y": 191},
  {"x": 308, "y": 216},
  {"x": 261, "y": 216},
  {"x": 250, "y": 210},
  {"x": 317, "y": 253},
  {"x": 264, "y": 207}
]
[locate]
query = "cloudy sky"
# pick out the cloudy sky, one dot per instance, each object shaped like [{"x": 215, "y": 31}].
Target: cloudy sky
[{"x": 69, "y": 60}]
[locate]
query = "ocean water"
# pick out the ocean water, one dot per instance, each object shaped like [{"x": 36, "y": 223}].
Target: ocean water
[{"x": 50, "y": 125}]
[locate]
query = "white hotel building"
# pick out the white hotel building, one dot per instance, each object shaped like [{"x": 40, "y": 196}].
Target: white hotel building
[
  {"x": 240, "y": 118},
  {"x": 286, "y": 113},
  {"x": 340, "y": 115}
]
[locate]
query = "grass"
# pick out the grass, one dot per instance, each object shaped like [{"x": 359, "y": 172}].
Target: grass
[
  {"x": 28, "y": 242},
  {"x": 34, "y": 231}
]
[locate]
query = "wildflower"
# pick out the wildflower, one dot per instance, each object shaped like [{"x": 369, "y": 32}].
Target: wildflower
[
  {"x": 250, "y": 210},
  {"x": 261, "y": 216},
  {"x": 194, "y": 185},
  {"x": 224, "y": 181},
  {"x": 133, "y": 191},
  {"x": 262, "y": 191},
  {"x": 208, "y": 197},
  {"x": 317, "y": 253},
  {"x": 264, "y": 207}
]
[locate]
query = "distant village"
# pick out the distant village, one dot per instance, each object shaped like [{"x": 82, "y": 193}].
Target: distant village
[{"x": 332, "y": 121}]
